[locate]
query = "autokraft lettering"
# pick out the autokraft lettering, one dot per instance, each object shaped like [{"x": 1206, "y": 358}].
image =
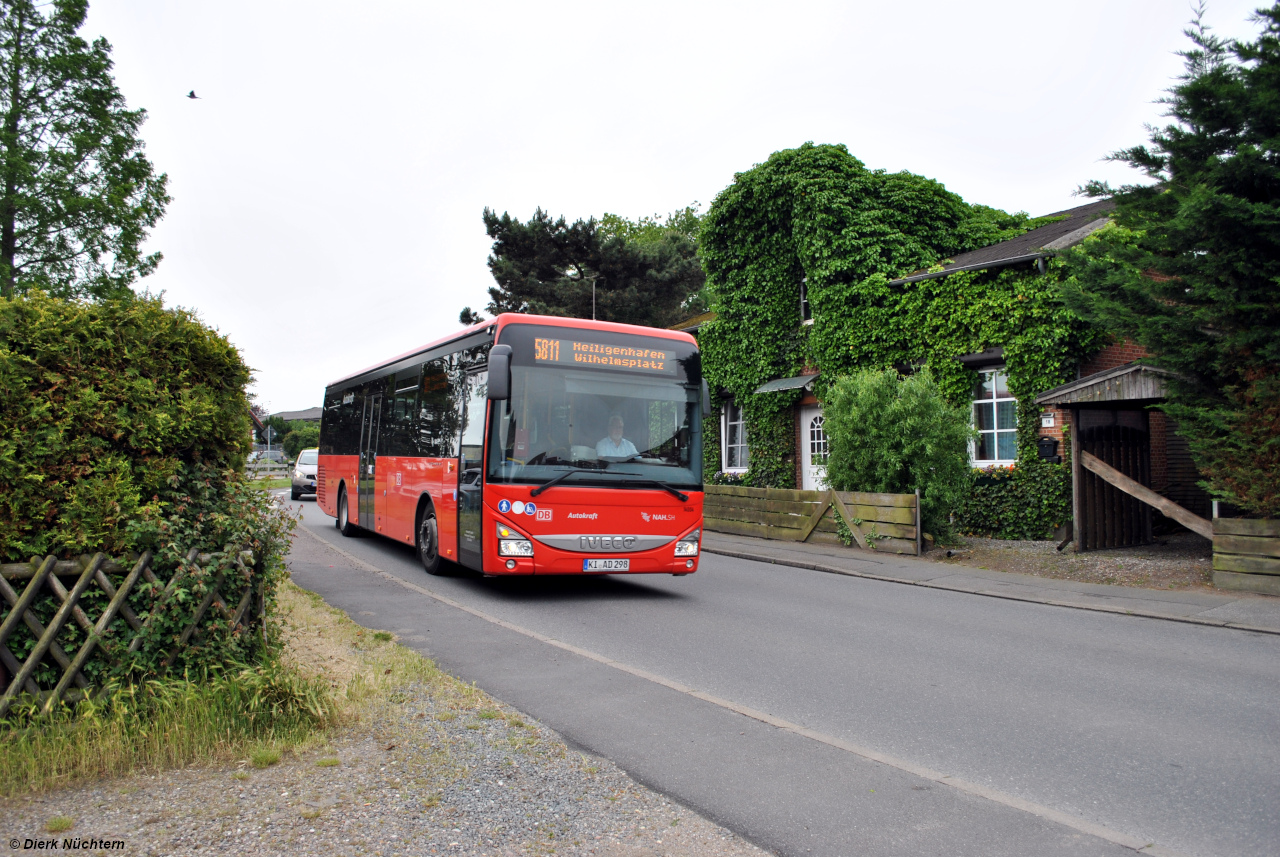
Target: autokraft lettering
[
  {"x": 586, "y": 516},
  {"x": 606, "y": 543},
  {"x": 654, "y": 516}
]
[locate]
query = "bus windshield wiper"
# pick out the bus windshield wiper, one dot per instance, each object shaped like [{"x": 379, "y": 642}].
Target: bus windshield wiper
[
  {"x": 557, "y": 480},
  {"x": 670, "y": 489}
]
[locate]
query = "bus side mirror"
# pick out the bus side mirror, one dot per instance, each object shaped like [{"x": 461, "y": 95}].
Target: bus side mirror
[
  {"x": 500, "y": 373},
  {"x": 706, "y": 399}
]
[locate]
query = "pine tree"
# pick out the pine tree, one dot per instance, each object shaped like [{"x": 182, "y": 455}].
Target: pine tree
[
  {"x": 642, "y": 272},
  {"x": 77, "y": 194},
  {"x": 1192, "y": 269}
]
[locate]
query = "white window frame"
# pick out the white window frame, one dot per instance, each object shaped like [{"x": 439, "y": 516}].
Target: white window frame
[
  {"x": 728, "y": 408},
  {"x": 806, "y": 308},
  {"x": 996, "y": 398}
]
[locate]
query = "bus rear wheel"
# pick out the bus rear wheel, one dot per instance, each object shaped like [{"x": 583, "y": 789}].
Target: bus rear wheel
[
  {"x": 343, "y": 521},
  {"x": 429, "y": 542}
]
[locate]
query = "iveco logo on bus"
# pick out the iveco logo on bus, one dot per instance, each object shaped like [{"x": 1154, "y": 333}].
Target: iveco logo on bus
[{"x": 606, "y": 543}]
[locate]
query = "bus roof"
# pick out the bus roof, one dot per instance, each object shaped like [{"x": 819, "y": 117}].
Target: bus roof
[{"x": 506, "y": 318}]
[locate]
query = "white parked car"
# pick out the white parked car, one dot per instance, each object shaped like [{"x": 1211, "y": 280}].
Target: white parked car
[{"x": 304, "y": 473}]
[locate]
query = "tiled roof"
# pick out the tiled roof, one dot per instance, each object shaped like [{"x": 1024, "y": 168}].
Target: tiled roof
[
  {"x": 308, "y": 414},
  {"x": 1076, "y": 224}
]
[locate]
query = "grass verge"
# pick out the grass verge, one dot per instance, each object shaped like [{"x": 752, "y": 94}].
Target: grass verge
[
  {"x": 331, "y": 672},
  {"x": 273, "y": 482}
]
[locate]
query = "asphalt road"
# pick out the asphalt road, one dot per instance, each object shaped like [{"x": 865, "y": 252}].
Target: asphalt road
[{"x": 904, "y": 720}]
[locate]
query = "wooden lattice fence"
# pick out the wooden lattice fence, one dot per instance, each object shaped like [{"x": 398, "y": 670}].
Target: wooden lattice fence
[{"x": 118, "y": 632}]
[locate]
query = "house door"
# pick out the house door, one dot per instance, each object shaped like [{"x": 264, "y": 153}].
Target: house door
[
  {"x": 369, "y": 429},
  {"x": 813, "y": 443}
]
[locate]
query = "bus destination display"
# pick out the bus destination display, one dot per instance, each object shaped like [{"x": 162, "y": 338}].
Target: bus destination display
[{"x": 598, "y": 355}]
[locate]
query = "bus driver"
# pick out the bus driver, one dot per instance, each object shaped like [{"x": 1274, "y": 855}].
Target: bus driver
[{"x": 615, "y": 445}]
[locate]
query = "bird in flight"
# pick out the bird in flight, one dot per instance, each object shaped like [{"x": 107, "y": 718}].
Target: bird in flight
[{"x": 192, "y": 94}]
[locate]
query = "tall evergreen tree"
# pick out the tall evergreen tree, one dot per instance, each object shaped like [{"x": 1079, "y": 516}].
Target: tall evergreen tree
[
  {"x": 77, "y": 194},
  {"x": 1192, "y": 270},
  {"x": 641, "y": 272}
]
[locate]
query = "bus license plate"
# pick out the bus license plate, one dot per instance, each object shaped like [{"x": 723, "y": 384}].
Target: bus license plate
[{"x": 606, "y": 565}]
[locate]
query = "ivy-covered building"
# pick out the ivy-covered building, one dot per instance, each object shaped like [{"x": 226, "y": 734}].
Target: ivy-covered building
[{"x": 819, "y": 267}]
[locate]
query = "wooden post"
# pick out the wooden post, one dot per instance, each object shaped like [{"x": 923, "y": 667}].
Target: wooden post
[
  {"x": 1077, "y": 522},
  {"x": 919, "y": 527}
]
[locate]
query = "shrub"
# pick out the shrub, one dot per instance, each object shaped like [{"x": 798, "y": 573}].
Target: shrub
[
  {"x": 101, "y": 406},
  {"x": 894, "y": 434},
  {"x": 123, "y": 428},
  {"x": 302, "y": 435},
  {"x": 1023, "y": 502}
]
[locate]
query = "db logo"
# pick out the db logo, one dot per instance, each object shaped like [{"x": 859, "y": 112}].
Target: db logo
[{"x": 543, "y": 515}]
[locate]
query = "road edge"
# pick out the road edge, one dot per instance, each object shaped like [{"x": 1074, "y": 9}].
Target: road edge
[{"x": 928, "y": 584}]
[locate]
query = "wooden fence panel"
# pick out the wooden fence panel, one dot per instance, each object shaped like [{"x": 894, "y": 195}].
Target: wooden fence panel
[
  {"x": 40, "y": 579},
  {"x": 1246, "y": 555},
  {"x": 883, "y": 522}
]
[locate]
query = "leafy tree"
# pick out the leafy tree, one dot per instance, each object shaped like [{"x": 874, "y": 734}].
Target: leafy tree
[
  {"x": 638, "y": 272},
  {"x": 303, "y": 435},
  {"x": 467, "y": 318},
  {"x": 1192, "y": 269},
  {"x": 894, "y": 434},
  {"x": 686, "y": 222},
  {"x": 77, "y": 194}
]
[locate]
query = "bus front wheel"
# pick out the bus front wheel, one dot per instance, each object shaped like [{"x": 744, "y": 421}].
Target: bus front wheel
[
  {"x": 343, "y": 522},
  {"x": 429, "y": 542}
]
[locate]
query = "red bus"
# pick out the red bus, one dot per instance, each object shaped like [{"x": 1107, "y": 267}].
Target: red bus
[{"x": 525, "y": 445}]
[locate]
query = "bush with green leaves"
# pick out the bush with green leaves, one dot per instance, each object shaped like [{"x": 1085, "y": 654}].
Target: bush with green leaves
[
  {"x": 1026, "y": 501},
  {"x": 101, "y": 405},
  {"x": 123, "y": 428},
  {"x": 302, "y": 435},
  {"x": 893, "y": 434}
]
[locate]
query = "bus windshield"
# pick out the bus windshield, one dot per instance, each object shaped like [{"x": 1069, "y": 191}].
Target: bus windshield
[{"x": 611, "y": 408}]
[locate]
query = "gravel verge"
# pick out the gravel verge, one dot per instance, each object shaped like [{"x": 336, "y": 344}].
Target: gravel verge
[
  {"x": 1177, "y": 561},
  {"x": 427, "y": 766}
]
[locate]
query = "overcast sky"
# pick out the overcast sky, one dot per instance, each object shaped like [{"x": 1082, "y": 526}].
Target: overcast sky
[{"x": 328, "y": 185}]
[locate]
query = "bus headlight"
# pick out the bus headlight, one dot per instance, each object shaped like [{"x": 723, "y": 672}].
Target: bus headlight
[
  {"x": 512, "y": 543},
  {"x": 688, "y": 546}
]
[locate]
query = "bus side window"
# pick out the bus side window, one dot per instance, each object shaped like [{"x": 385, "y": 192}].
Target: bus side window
[
  {"x": 397, "y": 419},
  {"x": 437, "y": 425}
]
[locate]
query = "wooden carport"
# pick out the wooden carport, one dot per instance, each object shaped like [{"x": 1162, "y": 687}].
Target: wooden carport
[{"x": 1111, "y": 496}]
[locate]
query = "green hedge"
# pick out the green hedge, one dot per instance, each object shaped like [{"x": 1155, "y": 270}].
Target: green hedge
[
  {"x": 123, "y": 428},
  {"x": 1027, "y": 501},
  {"x": 101, "y": 405}
]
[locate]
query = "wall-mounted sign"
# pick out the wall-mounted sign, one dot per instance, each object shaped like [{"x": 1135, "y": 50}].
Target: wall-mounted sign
[{"x": 598, "y": 355}]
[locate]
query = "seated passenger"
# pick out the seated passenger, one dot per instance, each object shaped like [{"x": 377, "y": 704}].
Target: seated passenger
[{"x": 615, "y": 445}]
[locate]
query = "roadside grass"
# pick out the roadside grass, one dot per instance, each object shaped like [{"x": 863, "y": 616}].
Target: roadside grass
[
  {"x": 330, "y": 673},
  {"x": 271, "y": 482}
]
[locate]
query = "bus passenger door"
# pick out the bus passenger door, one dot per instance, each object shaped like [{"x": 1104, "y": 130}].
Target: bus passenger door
[
  {"x": 368, "y": 459},
  {"x": 471, "y": 470}
]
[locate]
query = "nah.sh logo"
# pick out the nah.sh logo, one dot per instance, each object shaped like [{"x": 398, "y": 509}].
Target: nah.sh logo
[{"x": 656, "y": 517}]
